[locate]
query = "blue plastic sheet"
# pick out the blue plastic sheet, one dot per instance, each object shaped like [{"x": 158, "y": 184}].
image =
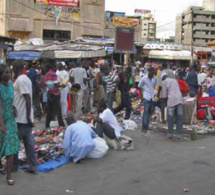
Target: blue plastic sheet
[{"x": 51, "y": 165}]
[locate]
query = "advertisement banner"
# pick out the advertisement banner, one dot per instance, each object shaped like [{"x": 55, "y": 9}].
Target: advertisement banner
[
  {"x": 62, "y": 3},
  {"x": 126, "y": 22}
]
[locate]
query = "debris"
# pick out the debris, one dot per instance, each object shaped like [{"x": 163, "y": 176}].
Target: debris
[{"x": 186, "y": 190}]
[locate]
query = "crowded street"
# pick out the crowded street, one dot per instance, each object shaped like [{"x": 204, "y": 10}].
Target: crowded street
[{"x": 107, "y": 97}]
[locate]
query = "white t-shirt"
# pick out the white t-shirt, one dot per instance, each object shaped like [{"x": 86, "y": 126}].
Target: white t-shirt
[
  {"x": 79, "y": 74},
  {"x": 22, "y": 86},
  {"x": 62, "y": 76},
  {"x": 107, "y": 116}
]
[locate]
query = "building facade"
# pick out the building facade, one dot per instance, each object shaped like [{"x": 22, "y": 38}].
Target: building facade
[
  {"x": 195, "y": 27},
  {"x": 26, "y": 19},
  {"x": 209, "y": 5},
  {"x": 114, "y": 19},
  {"x": 149, "y": 27}
]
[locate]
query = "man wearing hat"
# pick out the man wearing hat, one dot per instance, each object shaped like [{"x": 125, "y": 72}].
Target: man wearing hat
[{"x": 175, "y": 108}]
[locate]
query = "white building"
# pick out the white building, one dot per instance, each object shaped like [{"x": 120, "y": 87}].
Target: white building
[{"x": 148, "y": 28}]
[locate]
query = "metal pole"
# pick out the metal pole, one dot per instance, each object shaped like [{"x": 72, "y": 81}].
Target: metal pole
[{"x": 191, "y": 59}]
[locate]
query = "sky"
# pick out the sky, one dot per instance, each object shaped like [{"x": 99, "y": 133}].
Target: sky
[{"x": 165, "y": 11}]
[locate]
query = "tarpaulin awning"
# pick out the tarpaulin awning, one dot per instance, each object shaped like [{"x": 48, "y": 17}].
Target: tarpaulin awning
[
  {"x": 24, "y": 55},
  {"x": 69, "y": 54},
  {"x": 170, "y": 55}
]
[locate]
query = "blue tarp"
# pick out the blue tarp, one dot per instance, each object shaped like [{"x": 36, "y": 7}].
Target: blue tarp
[
  {"x": 24, "y": 55},
  {"x": 51, "y": 165}
]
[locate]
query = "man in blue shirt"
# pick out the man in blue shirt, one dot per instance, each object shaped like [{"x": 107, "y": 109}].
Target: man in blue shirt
[
  {"x": 34, "y": 76},
  {"x": 148, "y": 83}
]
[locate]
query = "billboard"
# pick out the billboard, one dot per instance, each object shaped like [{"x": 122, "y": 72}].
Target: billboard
[
  {"x": 62, "y": 3},
  {"x": 124, "y": 39},
  {"x": 142, "y": 11},
  {"x": 126, "y": 22}
]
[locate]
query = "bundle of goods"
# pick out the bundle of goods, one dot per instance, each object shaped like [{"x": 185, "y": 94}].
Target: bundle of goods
[{"x": 206, "y": 108}]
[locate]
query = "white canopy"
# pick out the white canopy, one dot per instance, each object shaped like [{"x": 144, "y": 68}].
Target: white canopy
[{"x": 170, "y": 55}]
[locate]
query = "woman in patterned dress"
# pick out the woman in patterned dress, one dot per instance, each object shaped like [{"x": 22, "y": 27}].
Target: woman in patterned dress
[{"x": 9, "y": 141}]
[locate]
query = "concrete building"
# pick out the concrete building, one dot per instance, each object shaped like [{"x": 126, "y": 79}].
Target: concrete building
[
  {"x": 148, "y": 28},
  {"x": 110, "y": 26},
  {"x": 195, "y": 26},
  {"x": 25, "y": 19},
  {"x": 209, "y": 5}
]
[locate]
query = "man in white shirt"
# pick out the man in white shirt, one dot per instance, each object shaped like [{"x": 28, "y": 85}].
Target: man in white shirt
[
  {"x": 106, "y": 122},
  {"x": 63, "y": 78},
  {"x": 79, "y": 76},
  {"x": 23, "y": 103},
  {"x": 172, "y": 93}
]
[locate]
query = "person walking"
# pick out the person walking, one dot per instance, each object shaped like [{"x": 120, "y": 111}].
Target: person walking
[
  {"x": 9, "y": 141},
  {"x": 54, "y": 107},
  {"x": 79, "y": 76},
  {"x": 23, "y": 102},
  {"x": 172, "y": 92},
  {"x": 63, "y": 79},
  {"x": 148, "y": 84},
  {"x": 34, "y": 75},
  {"x": 192, "y": 79}
]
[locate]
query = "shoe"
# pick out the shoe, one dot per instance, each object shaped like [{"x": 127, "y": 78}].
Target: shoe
[
  {"x": 179, "y": 138},
  {"x": 169, "y": 135}
]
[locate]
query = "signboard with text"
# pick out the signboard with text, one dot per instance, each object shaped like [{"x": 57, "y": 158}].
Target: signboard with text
[
  {"x": 124, "y": 39},
  {"x": 126, "y": 22},
  {"x": 62, "y": 3},
  {"x": 142, "y": 11}
]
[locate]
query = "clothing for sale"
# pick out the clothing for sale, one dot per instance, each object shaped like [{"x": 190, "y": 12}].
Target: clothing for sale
[
  {"x": 9, "y": 144},
  {"x": 108, "y": 117},
  {"x": 172, "y": 92},
  {"x": 148, "y": 86},
  {"x": 22, "y": 86},
  {"x": 78, "y": 141},
  {"x": 50, "y": 81}
]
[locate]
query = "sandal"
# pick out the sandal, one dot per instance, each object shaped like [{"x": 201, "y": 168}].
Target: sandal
[
  {"x": 3, "y": 171},
  {"x": 10, "y": 182}
]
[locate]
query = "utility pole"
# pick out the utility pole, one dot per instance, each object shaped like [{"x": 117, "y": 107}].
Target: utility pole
[{"x": 191, "y": 59}]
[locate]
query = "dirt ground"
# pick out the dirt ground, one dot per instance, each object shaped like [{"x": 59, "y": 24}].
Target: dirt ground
[{"x": 157, "y": 166}]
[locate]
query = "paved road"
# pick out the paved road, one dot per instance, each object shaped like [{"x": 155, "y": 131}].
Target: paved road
[{"x": 157, "y": 166}]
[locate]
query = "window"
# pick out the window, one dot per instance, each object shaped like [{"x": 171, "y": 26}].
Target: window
[{"x": 56, "y": 35}]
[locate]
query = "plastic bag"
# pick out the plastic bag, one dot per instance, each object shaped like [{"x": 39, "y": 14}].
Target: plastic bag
[
  {"x": 100, "y": 150},
  {"x": 130, "y": 125}
]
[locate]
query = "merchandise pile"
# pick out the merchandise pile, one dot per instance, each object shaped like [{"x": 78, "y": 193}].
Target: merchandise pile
[{"x": 48, "y": 145}]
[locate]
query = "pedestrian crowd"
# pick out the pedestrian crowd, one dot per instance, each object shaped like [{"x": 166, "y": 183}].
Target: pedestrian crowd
[{"x": 50, "y": 90}]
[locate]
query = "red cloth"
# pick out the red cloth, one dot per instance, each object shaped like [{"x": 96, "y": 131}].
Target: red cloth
[
  {"x": 183, "y": 87},
  {"x": 25, "y": 72}
]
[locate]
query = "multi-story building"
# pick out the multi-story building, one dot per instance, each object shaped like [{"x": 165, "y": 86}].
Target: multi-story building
[
  {"x": 114, "y": 19},
  {"x": 148, "y": 28},
  {"x": 209, "y": 5},
  {"x": 196, "y": 26},
  {"x": 27, "y": 19}
]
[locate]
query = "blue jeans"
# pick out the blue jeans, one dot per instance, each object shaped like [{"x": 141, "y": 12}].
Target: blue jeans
[
  {"x": 148, "y": 111},
  {"x": 25, "y": 134},
  {"x": 175, "y": 112},
  {"x": 110, "y": 99}
]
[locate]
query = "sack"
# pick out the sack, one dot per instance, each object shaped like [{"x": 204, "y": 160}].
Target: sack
[
  {"x": 100, "y": 150},
  {"x": 130, "y": 125},
  {"x": 118, "y": 98}
]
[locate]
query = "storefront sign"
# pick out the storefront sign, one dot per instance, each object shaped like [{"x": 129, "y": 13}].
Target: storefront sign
[
  {"x": 142, "y": 11},
  {"x": 62, "y": 3},
  {"x": 125, "y": 22}
]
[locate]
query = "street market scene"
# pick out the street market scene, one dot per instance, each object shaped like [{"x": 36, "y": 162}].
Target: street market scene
[{"x": 101, "y": 97}]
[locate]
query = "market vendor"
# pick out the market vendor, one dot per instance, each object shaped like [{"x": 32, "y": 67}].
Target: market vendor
[
  {"x": 78, "y": 140},
  {"x": 106, "y": 122}
]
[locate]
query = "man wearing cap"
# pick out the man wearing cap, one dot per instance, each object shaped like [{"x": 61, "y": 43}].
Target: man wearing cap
[
  {"x": 162, "y": 101},
  {"x": 175, "y": 108}
]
